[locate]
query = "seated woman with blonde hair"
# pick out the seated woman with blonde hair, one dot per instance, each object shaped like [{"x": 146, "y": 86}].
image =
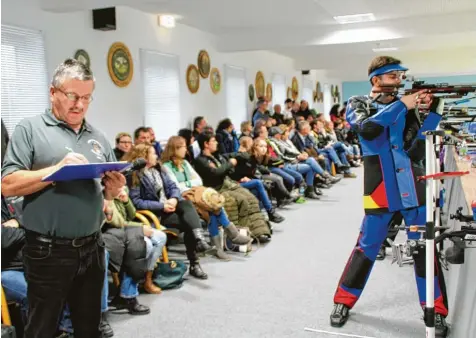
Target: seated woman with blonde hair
[
  {"x": 208, "y": 202},
  {"x": 120, "y": 213},
  {"x": 151, "y": 189}
]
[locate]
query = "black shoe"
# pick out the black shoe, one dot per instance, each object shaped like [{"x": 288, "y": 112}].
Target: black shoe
[
  {"x": 131, "y": 304},
  {"x": 310, "y": 193},
  {"x": 104, "y": 327},
  {"x": 333, "y": 179},
  {"x": 318, "y": 191},
  {"x": 196, "y": 271},
  {"x": 323, "y": 185},
  {"x": 441, "y": 328},
  {"x": 262, "y": 239},
  {"x": 202, "y": 245},
  {"x": 381, "y": 253},
  {"x": 275, "y": 217},
  {"x": 339, "y": 315},
  {"x": 284, "y": 201}
]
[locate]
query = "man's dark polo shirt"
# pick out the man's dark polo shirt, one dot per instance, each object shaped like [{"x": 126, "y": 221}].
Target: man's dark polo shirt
[{"x": 64, "y": 209}]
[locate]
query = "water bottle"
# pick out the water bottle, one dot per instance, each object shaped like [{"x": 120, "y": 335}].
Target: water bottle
[
  {"x": 301, "y": 190},
  {"x": 463, "y": 150}
]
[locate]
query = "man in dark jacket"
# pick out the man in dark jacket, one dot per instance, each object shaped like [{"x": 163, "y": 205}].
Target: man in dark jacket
[
  {"x": 214, "y": 168},
  {"x": 226, "y": 137}
]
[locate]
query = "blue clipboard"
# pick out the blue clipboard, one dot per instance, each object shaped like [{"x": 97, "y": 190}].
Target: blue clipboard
[{"x": 71, "y": 172}]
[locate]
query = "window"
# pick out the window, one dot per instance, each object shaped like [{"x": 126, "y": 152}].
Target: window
[
  {"x": 160, "y": 77},
  {"x": 235, "y": 86},
  {"x": 24, "y": 77},
  {"x": 279, "y": 89},
  {"x": 307, "y": 92},
  {"x": 328, "y": 99}
]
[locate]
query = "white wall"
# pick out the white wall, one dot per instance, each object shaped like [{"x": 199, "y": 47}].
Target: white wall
[{"x": 117, "y": 109}]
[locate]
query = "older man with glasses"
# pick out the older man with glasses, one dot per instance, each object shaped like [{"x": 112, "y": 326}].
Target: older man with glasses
[{"x": 64, "y": 256}]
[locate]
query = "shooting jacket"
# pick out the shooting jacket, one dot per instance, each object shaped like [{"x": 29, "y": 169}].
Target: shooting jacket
[{"x": 393, "y": 150}]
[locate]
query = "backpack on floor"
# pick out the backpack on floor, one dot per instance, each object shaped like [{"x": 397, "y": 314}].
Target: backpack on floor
[{"x": 169, "y": 275}]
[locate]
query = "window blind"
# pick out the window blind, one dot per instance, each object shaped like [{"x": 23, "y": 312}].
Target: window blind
[
  {"x": 160, "y": 77},
  {"x": 307, "y": 92},
  {"x": 279, "y": 89},
  {"x": 24, "y": 75},
  {"x": 235, "y": 87}
]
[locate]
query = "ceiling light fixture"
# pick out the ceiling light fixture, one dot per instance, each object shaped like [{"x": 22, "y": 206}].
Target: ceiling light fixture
[
  {"x": 355, "y": 18},
  {"x": 384, "y": 49},
  {"x": 167, "y": 21}
]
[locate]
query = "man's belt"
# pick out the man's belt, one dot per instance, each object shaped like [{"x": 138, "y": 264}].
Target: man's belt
[{"x": 75, "y": 242}]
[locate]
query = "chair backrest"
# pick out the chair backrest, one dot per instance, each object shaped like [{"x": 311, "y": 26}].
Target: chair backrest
[{"x": 6, "y": 320}]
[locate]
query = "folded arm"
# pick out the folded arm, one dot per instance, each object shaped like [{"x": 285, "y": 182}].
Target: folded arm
[{"x": 368, "y": 125}]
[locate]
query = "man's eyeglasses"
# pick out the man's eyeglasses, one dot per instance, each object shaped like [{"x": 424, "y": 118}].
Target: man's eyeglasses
[{"x": 73, "y": 97}]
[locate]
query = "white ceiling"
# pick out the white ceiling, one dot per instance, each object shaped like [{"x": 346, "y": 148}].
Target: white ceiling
[{"x": 306, "y": 31}]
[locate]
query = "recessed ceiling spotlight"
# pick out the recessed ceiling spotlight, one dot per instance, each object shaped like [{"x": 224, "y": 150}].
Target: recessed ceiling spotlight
[
  {"x": 355, "y": 18},
  {"x": 167, "y": 21}
]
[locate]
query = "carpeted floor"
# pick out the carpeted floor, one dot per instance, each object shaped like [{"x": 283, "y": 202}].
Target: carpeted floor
[{"x": 287, "y": 285}]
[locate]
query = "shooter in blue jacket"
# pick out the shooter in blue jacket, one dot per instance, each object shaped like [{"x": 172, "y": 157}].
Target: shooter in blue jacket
[{"x": 393, "y": 146}]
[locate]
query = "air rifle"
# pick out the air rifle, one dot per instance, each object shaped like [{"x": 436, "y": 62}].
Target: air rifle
[{"x": 451, "y": 91}]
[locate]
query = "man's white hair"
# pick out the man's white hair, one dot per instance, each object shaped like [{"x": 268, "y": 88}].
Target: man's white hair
[{"x": 71, "y": 69}]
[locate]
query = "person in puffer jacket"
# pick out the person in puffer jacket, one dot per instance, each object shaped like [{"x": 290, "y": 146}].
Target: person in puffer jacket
[
  {"x": 190, "y": 183},
  {"x": 241, "y": 205}
]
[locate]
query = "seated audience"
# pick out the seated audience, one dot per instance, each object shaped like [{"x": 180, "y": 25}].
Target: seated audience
[
  {"x": 187, "y": 134},
  {"x": 287, "y": 113},
  {"x": 334, "y": 113},
  {"x": 154, "y": 142},
  {"x": 186, "y": 178},
  {"x": 276, "y": 114},
  {"x": 246, "y": 129},
  {"x": 123, "y": 145},
  {"x": 241, "y": 205},
  {"x": 303, "y": 142},
  {"x": 141, "y": 135},
  {"x": 123, "y": 214},
  {"x": 151, "y": 189},
  {"x": 352, "y": 155},
  {"x": 249, "y": 167},
  {"x": 262, "y": 150},
  {"x": 292, "y": 178},
  {"x": 256, "y": 186},
  {"x": 324, "y": 141},
  {"x": 226, "y": 137},
  {"x": 291, "y": 155},
  {"x": 260, "y": 112},
  {"x": 199, "y": 123}
]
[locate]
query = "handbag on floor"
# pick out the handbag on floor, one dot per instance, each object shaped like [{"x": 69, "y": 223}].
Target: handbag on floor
[{"x": 169, "y": 275}]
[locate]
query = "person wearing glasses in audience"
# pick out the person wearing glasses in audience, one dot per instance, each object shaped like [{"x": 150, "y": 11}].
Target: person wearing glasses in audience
[
  {"x": 63, "y": 255},
  {"x": 123, "y": 145}
]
